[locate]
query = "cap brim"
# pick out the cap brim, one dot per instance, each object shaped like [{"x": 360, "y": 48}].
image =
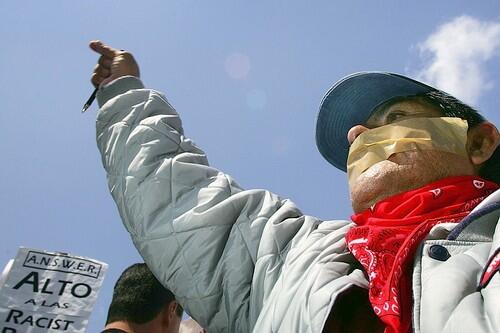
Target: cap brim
[{"x": 350, "y": 102}]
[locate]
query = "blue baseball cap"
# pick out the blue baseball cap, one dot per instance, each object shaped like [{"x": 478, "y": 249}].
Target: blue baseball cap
[{"x": 350, "y": 102}]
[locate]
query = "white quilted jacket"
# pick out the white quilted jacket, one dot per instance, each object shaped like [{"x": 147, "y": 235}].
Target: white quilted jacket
[{"x": 247, "y": 260}]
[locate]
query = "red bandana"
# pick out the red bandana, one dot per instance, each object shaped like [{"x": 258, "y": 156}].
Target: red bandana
[{"x": 387, "y": 235}]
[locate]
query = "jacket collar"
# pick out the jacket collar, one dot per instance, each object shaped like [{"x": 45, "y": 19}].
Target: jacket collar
[{"x": 480, "y": 224}]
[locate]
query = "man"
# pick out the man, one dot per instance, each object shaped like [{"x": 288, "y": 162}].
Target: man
[
  {"x": 141, "y": 304},
  {"x": 419, "y": 253}
]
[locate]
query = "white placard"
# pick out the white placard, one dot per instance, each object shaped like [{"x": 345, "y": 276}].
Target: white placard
[{"x": 49, "y": 292}]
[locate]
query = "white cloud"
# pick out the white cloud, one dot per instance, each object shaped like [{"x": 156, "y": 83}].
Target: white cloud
[{"x": 455, "y": 56}]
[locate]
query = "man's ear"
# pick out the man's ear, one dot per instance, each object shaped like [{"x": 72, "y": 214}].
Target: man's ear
[
  {"x": 169, "y": 312},
  {"x": 482, "y": 140}
]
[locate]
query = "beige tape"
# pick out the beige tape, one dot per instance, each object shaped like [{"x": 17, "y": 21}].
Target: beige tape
[{"x": 376, "y": 145}]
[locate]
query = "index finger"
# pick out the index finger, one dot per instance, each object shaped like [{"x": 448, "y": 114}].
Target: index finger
[{"x": 103, "y": 49}]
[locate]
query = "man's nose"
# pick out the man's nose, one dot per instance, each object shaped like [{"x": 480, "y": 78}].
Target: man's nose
[{"x": 354, "y": 132}]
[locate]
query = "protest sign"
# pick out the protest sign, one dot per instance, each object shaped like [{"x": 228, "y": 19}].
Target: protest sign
[{"x": 49, "y": 292}]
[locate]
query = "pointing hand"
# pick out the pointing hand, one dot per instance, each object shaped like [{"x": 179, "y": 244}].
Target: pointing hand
[{"x": 112, "y": 64}]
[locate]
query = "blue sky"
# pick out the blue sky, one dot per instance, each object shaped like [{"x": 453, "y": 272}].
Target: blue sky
[{"x": 246, "y": 77}]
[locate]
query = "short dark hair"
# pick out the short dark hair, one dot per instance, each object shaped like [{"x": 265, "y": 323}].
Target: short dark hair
[
  {"x": 453, "y": 107},
  {"x": 138, "y": 296}
]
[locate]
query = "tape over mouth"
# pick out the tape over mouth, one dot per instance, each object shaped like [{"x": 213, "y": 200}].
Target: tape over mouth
[{"x": 447, "y": 134}]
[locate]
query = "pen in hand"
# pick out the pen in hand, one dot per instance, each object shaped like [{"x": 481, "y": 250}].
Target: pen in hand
[{"x": 90, "y": 100}]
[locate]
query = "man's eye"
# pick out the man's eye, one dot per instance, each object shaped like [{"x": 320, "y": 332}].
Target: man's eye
[{"x": 394, "y": 116}]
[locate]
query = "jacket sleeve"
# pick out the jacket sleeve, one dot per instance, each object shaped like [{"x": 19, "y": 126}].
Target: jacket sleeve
[{"x": 197, "y": 230}]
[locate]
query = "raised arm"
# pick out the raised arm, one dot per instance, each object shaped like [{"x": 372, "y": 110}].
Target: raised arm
[
  {"x": 195, "y": 227},
  {"x": 223, "y": 251}
]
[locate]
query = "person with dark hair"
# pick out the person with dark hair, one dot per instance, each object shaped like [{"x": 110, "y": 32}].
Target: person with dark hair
[
  {"x": 421, "y": 252},
  {"x": 140, "y": 304}
]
